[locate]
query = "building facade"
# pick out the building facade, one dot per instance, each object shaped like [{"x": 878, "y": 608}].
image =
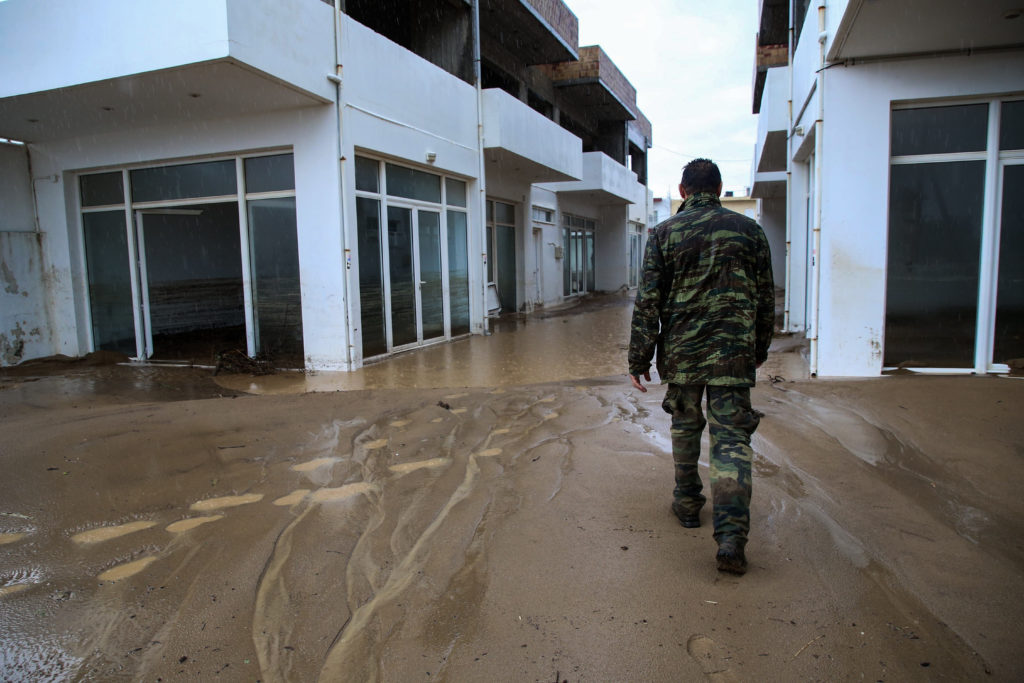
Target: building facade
[
  {"x": 889, "y": 155},
  {"x": 318, "y": 183}
]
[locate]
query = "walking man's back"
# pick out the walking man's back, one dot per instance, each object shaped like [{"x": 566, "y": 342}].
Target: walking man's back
[{"x": 705, "y": 310}]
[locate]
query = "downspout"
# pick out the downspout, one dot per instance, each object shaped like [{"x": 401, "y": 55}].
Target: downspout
[
  {"x": 819, "y": 145},
  {"x": 347, "y": 253},
  {"x": 789, "y": 182},
  {"x": 481, "y": 182}
]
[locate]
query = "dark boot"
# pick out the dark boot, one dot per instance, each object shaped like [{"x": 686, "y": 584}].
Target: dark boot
[
  {"x": 731, "y": 558},
  {"x": 688, "y": 518}
]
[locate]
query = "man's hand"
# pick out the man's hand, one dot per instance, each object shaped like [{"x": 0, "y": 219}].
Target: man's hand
[{"x": 637, "y": 384}]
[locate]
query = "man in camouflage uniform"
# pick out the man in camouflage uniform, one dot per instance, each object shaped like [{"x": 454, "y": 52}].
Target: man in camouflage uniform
[{"x": 706, "y": 305}]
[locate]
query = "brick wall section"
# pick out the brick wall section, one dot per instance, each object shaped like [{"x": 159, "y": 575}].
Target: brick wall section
[
  {"x": 561, "y": 19},
  {"x": 594, "y": 63},
  {"x": 772, "y": 55}
]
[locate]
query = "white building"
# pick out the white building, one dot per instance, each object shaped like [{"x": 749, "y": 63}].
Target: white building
[
  {"x": 319, "y": 183},
  {"x": 890, "y": 154}
]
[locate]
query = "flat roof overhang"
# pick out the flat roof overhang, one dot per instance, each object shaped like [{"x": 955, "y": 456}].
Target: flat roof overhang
[
  {"x": 520, "y": 27},
  {"x": 201, "y": 91}
]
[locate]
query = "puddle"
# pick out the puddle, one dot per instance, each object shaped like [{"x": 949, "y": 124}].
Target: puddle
[
  {"x": 342, "y": 492},
  {"x": 11, "y": 537},
  {"x": 293, "y": 498},
  {"x": 191, "y": 523},
  {"x": 406, "y": 467},
  {"x": 106, "y": 533},
  {"x": 123, "y": 571},
  {"x": 225, "y": 502}
]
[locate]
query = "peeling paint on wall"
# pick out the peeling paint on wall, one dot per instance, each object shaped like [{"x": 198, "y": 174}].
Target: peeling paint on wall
[
  {"x": 24, "y": 332},
  {"x": 8, "y": 279}
]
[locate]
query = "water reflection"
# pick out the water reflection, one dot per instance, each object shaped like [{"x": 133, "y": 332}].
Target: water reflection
[{"x": 521, "y": 350}]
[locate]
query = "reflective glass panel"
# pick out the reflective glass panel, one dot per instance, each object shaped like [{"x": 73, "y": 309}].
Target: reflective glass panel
[
  {"x": 935, "y": 213},
  {"x": 408, "y": 182},
  {"x": 506, "y": 238},
  {"x": 490, "y": 253},
  {"x": 458, "y": 272},
  {"x": 504, "y": 213},
  {"x": 366, "y": 174},
  {"x": 371, "y": 277},
  {"x": 589, "y": 264},
  {"x": 276, "y": 296},
  {"x": 431, "y": 284},
  {"x": 940, "y": 130},
  {"x": 403, "y": 294},
  {"x": 566, "y": 283},
  {"x": 455, "y": 192},
  {"x": 206, "y": 179},
  {"x": 270, "y": 174},
  {"x": 1011, "y": 125},
  {"x": 110, "y": 283},
  {"x": 100, "y": 189},
  {"x": 194, "y": 276},
  {"x": 1009, "y": 334}
]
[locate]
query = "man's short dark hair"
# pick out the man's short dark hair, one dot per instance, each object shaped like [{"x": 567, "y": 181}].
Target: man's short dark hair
[{"x": 701, "y": 175}]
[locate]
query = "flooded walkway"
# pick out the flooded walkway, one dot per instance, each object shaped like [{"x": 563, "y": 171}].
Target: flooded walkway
[{"x": 588, "y": 339}]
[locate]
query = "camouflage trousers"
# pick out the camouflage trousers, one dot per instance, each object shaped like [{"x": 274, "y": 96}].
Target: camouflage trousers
[{"x": 732, "y": 423}]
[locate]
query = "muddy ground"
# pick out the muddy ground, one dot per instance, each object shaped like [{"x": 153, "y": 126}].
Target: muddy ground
[{"x": 508, "y": 522}]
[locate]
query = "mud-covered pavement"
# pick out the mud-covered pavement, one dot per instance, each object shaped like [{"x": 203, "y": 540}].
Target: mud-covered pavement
[{"x": 157, "y": 525}]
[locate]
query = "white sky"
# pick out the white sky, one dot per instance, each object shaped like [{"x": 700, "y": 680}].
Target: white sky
[{"x": 692, "y": 64}]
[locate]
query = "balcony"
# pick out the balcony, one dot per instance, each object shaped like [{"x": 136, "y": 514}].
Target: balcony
[
  {"x": 605, "y": 181},
  {"x": 770, "y": 148},
  {"x": 597, "y": 84},
  {"x": 536, "y": 31},
  {"x": 73, "y": 68},
  {"x": 879, "y": 30},
  {"x": 521, "y": 142}
]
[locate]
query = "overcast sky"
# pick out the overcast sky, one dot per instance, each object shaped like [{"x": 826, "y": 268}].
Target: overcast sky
[{"x": 692, "y": 64}]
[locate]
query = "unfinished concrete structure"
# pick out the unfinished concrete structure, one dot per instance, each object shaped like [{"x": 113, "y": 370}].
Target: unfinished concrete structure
[
  {"x": 321, "y": 183},
  {"x": 890, "y": 154}
]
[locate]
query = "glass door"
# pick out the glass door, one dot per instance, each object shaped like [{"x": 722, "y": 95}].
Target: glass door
[
  {"x": 1008, "y": 337},
  {"x": 415, "y": 282}
]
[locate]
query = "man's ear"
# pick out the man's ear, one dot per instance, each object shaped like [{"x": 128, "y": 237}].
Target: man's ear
[
  {"x": 720, "y": 186},
  {"x": 682, "y": 192}
]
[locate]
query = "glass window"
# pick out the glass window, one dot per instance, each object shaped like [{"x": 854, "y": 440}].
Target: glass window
[
  {"x": 1009, "y": 335},
  {"x": 506, "y": 244},
  {"x": 455, "y": 192},
  {"x": 935, "y": 213},
  {"x": 110, "y": 284},
  {"x": 371, "y": 277},
  {"x": 431, "y": 280},
  {"x": 408, "y": 182},
  {"x": 940, "y": 130},
  {"x": 542, "y": 215},
  {"x": 270, "y": 174},
  {"x": 402, "y": 271},
  {"x": 277, "y": 299},
  {"x": 1011, "y": 126},
  {"x": 458, "y": 272},
  {"x": 207, "y": 179},
  {"x": 504, "y": 213},
  {"x": 366, "y": 174},
  {"x": 100, "y": 189}
]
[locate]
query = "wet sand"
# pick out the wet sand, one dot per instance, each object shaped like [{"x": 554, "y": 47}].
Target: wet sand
[{"x": 157, "y": 525}]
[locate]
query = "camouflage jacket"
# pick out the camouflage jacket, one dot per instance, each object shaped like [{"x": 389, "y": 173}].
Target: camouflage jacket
[{"x": 706, "y": 301}]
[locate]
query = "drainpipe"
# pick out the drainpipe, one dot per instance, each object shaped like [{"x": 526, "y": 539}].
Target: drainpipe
[
  {"x": 481, "y": 182},
  {"x": 346, "y": 251},
  {"x": 819, "y": 144},
  {"x": 789, "y": 182}
]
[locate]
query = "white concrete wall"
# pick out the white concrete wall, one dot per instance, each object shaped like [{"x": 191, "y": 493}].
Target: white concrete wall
[
  {"x": 855, "y": 195},
  {"x": 312, "y": 135},
  {"x": 24, "y": 320},
  {"x": 611, "y": 248},
  {"x": 512, "y": 125},
  {"x": 44, "y": 43},
  {"x": 772, "y": 219},
  {"x": 551, "y": 268}
]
